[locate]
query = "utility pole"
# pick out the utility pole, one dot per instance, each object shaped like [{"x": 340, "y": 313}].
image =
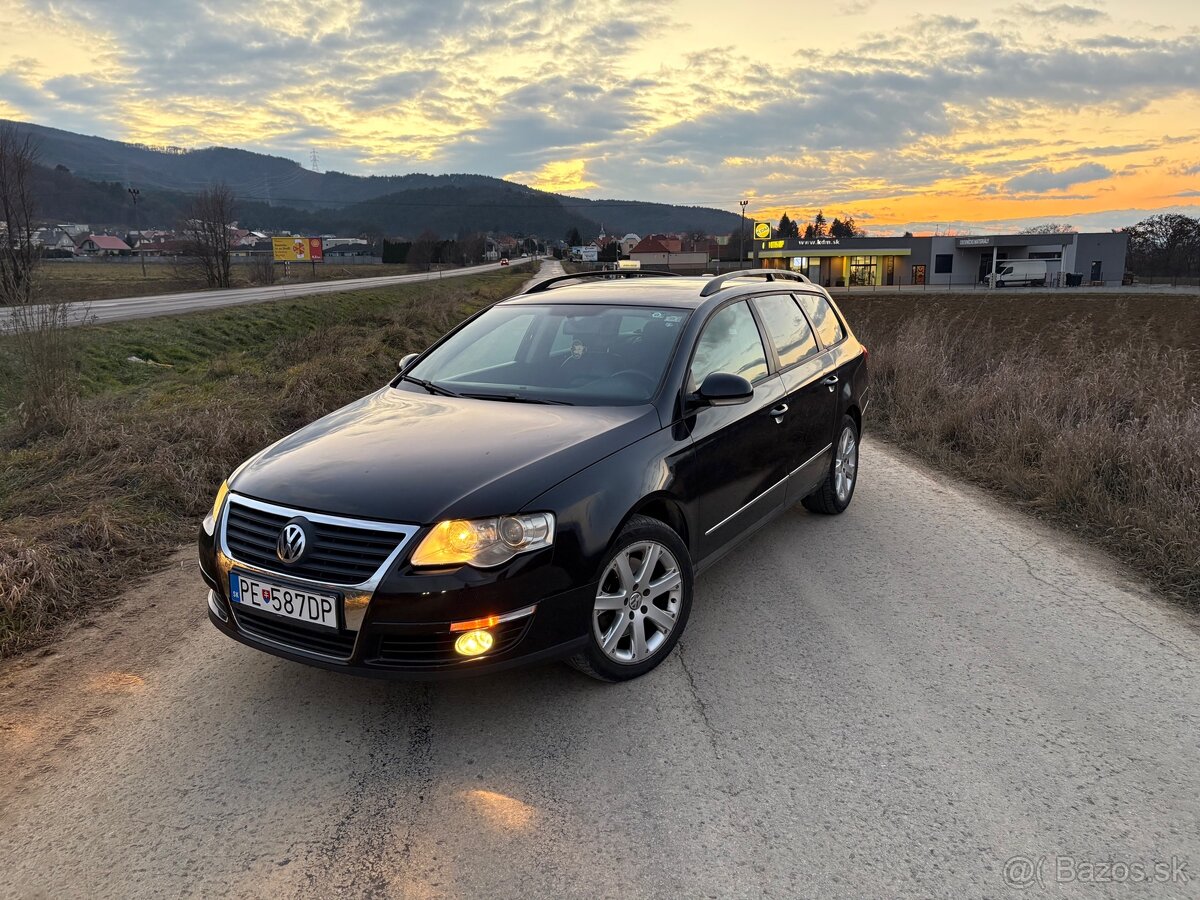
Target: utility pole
[
  {"x": 742, "y": 236},
  {"x": 134, "y": 193}
]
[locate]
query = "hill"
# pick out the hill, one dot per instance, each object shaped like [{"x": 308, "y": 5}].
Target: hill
[{"x": 274, "y": 192}]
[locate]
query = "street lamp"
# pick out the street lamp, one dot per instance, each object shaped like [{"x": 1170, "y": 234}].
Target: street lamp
[
  {"x": 742, "y": 235},
  {"x": 134, "y": 193}
]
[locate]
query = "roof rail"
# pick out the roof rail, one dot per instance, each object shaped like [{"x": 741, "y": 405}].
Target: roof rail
[
  {"x": 540, "y": 286},
  {"x": 771, "y": 274}
]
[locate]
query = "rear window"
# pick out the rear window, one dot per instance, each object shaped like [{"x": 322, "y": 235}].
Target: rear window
[{"x": 824, "y": 320}]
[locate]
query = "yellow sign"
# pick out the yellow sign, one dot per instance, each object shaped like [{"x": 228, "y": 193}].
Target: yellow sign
[
  {"x": 773, "y": 245},
  {"x": 297, "y": 249},
  {"x": 762, "y": 230}
]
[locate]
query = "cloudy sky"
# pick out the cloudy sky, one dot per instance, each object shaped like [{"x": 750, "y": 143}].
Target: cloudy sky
[{"x": 903, "y": 114}]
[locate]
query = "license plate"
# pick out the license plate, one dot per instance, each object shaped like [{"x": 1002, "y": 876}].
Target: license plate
[{"x": 284, "y": 600}]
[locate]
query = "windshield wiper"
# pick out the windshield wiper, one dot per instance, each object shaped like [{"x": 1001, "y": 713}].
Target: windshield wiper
[
  {"x": 518, "y": 398},
  {"x": 430, "y": 386}
]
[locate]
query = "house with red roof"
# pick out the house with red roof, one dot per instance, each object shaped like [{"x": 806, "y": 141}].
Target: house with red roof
[
  {"x": 102, "y": 245},
  {"x": 662, "y": 252}
]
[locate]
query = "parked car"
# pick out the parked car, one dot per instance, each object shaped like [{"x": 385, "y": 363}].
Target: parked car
[{"x": 545, "y": 481}]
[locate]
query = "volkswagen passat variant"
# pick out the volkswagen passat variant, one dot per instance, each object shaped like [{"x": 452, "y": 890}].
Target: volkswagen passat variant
[{"x": 545, "y": 481}]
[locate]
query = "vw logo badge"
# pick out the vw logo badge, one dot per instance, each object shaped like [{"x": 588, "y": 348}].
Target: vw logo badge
[{"x": 293, "y": 541}]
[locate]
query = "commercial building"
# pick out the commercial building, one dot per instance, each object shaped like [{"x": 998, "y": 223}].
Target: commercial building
[{"x": 967, "y": 259}]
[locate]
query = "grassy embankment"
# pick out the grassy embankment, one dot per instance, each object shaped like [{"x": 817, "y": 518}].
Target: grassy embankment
[
  {"x": 75, "y": 280},
  {"x": 90, "y": 504},
  {"x": 1084, "y": 410}
]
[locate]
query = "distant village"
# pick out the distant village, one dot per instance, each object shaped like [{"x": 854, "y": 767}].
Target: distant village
[{"x": 674, "y": 250}]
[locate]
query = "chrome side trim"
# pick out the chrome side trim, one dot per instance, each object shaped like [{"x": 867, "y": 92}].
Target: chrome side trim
[
  {"x": 216, "y": 607},
  {"x": 747, "y": 505},
  {"x": 518, "y": 613},
  {"x": 356, "y": 597},
  {"x": 509, "y": 616},
  {"x": 811, "y": 459}
]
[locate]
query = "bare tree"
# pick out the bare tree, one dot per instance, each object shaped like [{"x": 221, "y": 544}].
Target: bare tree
[
  {"x": 19, "y": 254},
  {"x": 207, "y": 226},
  {"x": 424, "y": 250},
  {"x": 1050, "y": 228},
  {"x": 262, "y": 269},
  {"x": 40, "y": 325}
]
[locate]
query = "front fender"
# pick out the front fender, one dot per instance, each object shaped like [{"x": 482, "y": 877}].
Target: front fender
[{"x": 594, "y": 503}]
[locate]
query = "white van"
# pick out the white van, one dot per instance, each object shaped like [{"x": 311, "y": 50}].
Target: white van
[{"x": 1018, "y": 271}]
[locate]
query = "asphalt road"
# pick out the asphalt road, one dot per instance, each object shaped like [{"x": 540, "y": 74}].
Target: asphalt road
[
  {"x": 97, "y": 311},
  {"x": 890, "y": 703}
]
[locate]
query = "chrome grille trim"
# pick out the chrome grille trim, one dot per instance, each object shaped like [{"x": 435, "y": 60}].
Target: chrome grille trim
[{"x": 356, "y": 597}]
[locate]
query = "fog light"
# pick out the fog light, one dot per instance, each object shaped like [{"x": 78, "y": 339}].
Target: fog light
[{"x": 472, "y": 643}]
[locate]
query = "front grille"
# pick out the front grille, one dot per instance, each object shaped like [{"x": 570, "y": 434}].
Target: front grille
[
  {"x": 432, "y": 651},
  {"x": 293, "y": 634},
  {"x": 341, "y": 555}
]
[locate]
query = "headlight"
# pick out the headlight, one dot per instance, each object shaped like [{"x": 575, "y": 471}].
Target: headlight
[
  {"x": 210, "y": 521},
  {"x": 484, "y": 542}
]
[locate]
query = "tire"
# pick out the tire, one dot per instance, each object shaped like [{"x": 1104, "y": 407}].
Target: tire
[
  {"x": 834, "y": 495},
  {"x": 999, "y": 284},
  {"x": 614, "y": 623}
]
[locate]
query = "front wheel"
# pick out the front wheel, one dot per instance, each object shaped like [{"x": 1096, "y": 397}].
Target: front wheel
[
  {"x": 836, "y": 491},
  {"x": 642, "y": 603}
]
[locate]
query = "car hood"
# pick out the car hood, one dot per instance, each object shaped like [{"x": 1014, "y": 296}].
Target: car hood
[{"x": 406, "y": 457}]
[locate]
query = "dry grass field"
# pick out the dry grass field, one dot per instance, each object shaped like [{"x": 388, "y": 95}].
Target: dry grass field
[
  {"x": 76, "y": 280},
  {"x": 91, "y": 502},
  {"x": 1084, "y": 410}
]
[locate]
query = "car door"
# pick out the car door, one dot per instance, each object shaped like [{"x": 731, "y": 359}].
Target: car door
[
  {"x": 809, "y": 394},
  {"x": 736, "y": 469},
  {"x": 840, "y": 358}
]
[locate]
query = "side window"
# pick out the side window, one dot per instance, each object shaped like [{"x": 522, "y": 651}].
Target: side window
[
  {"x": 787, "y": 329},
  {"x": 730, "y": 343},
  {"x": 823, "y": 319}
]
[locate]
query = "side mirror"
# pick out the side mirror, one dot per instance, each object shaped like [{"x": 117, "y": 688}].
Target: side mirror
[
  {"x": 406, "y": 361},
  {"x": 723, "y": 389}
]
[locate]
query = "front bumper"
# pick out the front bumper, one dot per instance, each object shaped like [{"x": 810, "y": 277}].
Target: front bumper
[{"x": 401, "y": 627}]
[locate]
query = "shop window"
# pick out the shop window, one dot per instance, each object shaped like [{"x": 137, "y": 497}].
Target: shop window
[
  {"x": 862, "y": 269},
  {"x": 943, "y": 263}
]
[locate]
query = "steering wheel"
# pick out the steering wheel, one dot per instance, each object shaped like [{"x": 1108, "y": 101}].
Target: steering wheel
[{"x": 638, "y": 376}]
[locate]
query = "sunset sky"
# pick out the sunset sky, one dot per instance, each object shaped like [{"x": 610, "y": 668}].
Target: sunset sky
[{"x": 903, "y": 114}]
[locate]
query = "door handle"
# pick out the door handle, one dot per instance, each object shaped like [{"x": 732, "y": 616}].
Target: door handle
[
  {"x": 830, "y": 380},
  {"x": 778, "y": 411}
]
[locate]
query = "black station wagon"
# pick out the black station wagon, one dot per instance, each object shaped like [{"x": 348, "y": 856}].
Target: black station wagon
[{"x": 544, "y": 481}]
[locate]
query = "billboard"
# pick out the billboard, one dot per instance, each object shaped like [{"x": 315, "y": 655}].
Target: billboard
[
  {"x": 762, "y": 231},
  {"x": 297, "y": 249}
]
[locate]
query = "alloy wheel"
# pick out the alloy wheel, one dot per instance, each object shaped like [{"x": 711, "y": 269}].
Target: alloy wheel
[
  {"x": 845, "y": 465},
  {"x": 637, "y": 603}
]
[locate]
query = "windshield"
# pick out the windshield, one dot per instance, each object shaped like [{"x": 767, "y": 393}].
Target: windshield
[{"x": 586, "y": 355}]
